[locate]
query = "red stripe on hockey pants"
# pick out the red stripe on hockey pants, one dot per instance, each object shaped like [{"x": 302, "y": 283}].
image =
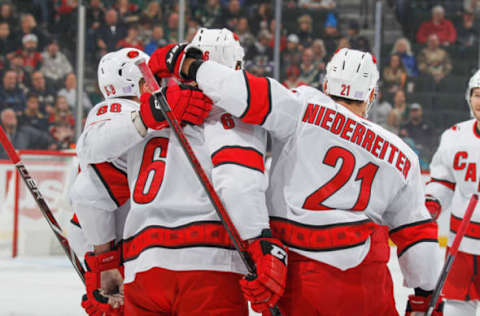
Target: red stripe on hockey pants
[
  {"x": 162, "y": 292},
  {"x": 316, "y": 288},
  {"x": 463, "y": 281}
]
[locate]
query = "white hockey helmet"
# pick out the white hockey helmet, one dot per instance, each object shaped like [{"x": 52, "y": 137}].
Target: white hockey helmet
[
  {"x": 472, "y": 84},
  {"x": 118, "y": 76},
  {"x": 220, "y": 45},
  {"x": 351, "y": 74}
]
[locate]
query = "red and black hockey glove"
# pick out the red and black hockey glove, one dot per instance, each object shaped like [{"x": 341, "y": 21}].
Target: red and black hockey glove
[
  {"x": 189, "y": 105},
  {"x": 167, "y": 61},
  {"x": 103, "y": 283},
  {"x": 433, "y": 206},
  {"x": 270, "y": 257},
  {"x": 418, "y": 303}
]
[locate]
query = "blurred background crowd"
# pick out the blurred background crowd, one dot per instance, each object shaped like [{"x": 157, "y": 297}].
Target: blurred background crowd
[{"x": 428, "y": 51}]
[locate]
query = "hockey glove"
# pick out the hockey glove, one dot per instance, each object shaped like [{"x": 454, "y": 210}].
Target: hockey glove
[
  {"x": 270, "y": 257},
  {"x": 103, "y": 280},
  {"x": 188, "y": 104},
  {"x": 168, "y": 60},
  {"x": 417, "y": 304},
  {"x": 433, "y": 206}
]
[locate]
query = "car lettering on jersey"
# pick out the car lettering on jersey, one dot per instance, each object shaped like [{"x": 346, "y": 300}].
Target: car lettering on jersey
[
  {"x": 460, "y": 163},
  {"x": 358, "y": 133}
]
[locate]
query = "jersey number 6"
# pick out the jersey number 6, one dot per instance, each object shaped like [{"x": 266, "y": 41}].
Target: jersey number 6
[
  {"x": 365, "y": 175},
  {"x": 150, "y": 176}
]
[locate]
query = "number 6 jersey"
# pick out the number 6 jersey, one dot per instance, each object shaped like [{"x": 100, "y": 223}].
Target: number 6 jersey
[
  {"x": 171, "y": 223},
  {"x": 333, "y": 172}
]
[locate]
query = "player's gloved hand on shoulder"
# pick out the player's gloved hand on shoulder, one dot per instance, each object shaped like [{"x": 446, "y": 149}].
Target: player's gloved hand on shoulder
[
  {"x": 433, "y": 206},
  {"x": 417, "y": 304},
  {"x": 104, "y": 284},
  {"x": 168, "y": 60},
  {"x": 270, "y": 257},
  {"x": 189, "y": 105}
]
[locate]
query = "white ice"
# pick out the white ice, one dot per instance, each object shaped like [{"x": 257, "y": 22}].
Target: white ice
[{"x": 49, "y": 286}]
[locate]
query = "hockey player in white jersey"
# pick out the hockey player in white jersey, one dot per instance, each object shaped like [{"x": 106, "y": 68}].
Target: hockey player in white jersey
[
  {"x": 454, "y": 179},
  {"x": 333, "y": 172},
  {"x": 178, "y": 258},
  {"x": 100, "y": 193}
]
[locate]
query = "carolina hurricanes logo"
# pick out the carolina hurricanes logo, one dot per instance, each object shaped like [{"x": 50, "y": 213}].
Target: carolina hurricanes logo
[
  {"x": 206, "y": 55},
  {"x": 132, "y": 54}
]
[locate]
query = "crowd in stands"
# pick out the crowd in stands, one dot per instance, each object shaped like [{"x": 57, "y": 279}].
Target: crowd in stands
[{"x": 37, "y": 50}]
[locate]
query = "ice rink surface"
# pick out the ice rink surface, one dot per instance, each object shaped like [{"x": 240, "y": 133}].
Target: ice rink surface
[{"x": 50, "y": 287}]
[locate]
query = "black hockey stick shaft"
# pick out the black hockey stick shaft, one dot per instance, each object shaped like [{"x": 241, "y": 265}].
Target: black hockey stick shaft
[
  {"x": 452, "y": 253},
  {"x": 239, "y": 244},
  {"x": 42, "y": 204}
]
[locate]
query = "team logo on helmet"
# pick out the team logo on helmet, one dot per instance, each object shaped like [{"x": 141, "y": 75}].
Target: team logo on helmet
[{"x": 132, "y": 54}]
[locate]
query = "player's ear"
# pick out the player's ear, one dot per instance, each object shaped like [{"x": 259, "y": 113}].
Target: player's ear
[
  {"x": 324, "y": 86},
  {"x": 372, "y": 96},
  {"x": 142, "y": 85}
]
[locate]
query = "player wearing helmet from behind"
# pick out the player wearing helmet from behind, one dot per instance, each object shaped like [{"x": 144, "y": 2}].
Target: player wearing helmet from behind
[
  {"x": 100, "y": 193},
  {"x": 334, "y": 174},
  {"x": 178, "y": 257},
  {"x": 454, "y": 179}
]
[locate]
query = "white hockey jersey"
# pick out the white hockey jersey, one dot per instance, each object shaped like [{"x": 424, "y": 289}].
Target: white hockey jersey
[
  {"x": 171, "y": 223},
  {"x": 333, "y": 172},
  {"x": 454, "y": 179}
]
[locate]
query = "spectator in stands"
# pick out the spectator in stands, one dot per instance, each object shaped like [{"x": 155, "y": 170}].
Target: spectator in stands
[
  {"x": 171, "y": 28},
  {"x": 16, "y": 64},
  {"x": 95, "y": 14},
  {"x": 157, "y": 40},
  {"x": 434, "y": 61},
  {"x": 7, "y": 15},
  {"x": 32, "y": 116},
  {"x": 7, "y": 42},
  {"x": 260, "y": 19},
  {"x": 356, "y": 40},
  {"x": 261, "y": 48},
  {"x": 55, "y": 64},
  {"x": 319, "y": 53},
  {"x": 28, "y": 25},
  {"x": 46, "y": 95},
  {"x": 209, "y": 14},
  {"x": 331, "y": 35},
  {"x": 231, "y": 15},
  {"x": 127, "y": 12},
  {"x": 62, "y": 123},
  {"x": 293, "y": 80},
  {"x": 293, "y": 53},
  {"x": 343, "y": 42},
  {"x": 70, "y": 92},
  {"x": 419, "y": 131},
  {"x": 152, "y": 14},
  {"x": 438, "y": 25},
  {"x": 109, "y": 33},
  {"x": 398, "y": 115},
  {"x": 23, "y": 137},
  {"x": 467, "y": 32},
  {"x": 317, "y": 4},
  {"x": 32, "y": 59},
  {"x": 472, "y": 6},
  {"x": 11, "y": 96},
  {"x": 403, "y": 49},
  {"x": 283, "y": 37},
  {"x": 305, "y": 30},
  {"x": 380, "y": 110},
  {"x": 309, "y": 72},
  {"x": 131, "y": 40},
  {"x": 246, "y": 38},
  {"x": 394, "y": 75}
]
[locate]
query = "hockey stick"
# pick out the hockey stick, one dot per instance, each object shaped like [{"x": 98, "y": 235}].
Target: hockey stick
[
  {"x": 240, "y": 245},
  {"x": 452, "y": 253},
  {"x": 42, "y": 204}
]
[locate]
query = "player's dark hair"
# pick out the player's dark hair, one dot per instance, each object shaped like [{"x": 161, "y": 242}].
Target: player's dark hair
[{"x": 345, "y": 100}]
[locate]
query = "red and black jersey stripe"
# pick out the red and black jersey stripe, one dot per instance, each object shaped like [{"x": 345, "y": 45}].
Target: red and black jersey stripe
[
  {"x": 448, "y": 184},
  {"x": 247, "y": 157},
  {"x": 114, "y": 180},
  {"x": 319, "y": 238},
  {"x": 259, "y": 99},
  {"x": 406, "y": 236},
  {"x": 75, "y": 221},
  {"x": 196, "y": 234},
  {"x": 473, "y": 228}
]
